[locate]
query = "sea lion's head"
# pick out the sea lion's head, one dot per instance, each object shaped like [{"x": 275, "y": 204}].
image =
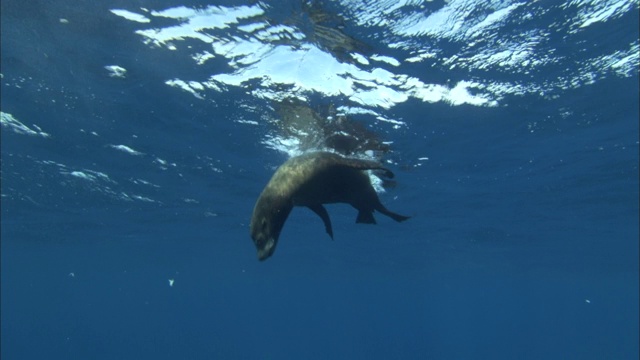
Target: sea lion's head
[{"x": 269, "y": 216}]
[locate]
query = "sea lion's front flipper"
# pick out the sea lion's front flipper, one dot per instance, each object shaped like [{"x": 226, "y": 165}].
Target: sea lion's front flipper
[{"x": 324, "y": 215}]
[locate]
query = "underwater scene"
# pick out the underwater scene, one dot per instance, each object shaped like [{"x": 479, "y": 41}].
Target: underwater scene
[{"x": 443, "y": 179}]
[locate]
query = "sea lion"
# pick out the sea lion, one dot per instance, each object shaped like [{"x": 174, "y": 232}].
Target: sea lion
[{"x": 311, "y": 180}]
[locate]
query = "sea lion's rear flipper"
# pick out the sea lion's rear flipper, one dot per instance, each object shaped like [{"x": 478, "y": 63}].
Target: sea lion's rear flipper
[
  {"x": 324, "y": 215},
  {"x": 365, "y": 217},
  {"x": 394, "y": 216}
]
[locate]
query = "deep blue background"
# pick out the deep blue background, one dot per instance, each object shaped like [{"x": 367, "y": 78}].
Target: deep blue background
[{"x": 512, "y": 232}]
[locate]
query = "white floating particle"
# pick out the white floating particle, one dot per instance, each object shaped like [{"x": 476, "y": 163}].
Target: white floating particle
[
  {"x": 171, "y": 282},
  {"x": 116, "y": 71}
]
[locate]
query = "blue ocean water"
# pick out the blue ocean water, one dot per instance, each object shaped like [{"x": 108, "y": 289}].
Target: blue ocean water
[{"x": 136, "y": 137}]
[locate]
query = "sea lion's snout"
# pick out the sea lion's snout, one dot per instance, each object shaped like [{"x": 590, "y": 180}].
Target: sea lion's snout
[
  {"x": 263, "y": 237},
  {"x": 266, "y": 249},
  {"x": 268, "y": 218}
]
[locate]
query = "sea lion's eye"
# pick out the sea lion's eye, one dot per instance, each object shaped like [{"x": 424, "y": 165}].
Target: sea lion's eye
[{"x": 264, "y": 224}]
